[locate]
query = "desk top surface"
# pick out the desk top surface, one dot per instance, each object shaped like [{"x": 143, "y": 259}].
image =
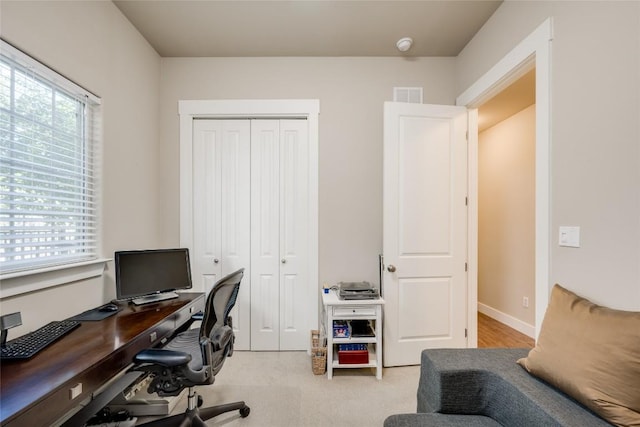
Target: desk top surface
[
  {"x": 106, "y": 344},
  {"x": 332, "y": 298}
]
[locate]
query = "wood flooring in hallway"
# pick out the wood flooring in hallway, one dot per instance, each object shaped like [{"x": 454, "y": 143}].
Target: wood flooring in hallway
[{"x": 494, "y": 334}]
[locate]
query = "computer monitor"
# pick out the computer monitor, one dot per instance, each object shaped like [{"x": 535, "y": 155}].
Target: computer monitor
[{"x": 145, "y": 276}]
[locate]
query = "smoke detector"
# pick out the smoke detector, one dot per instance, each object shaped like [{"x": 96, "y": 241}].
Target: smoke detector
[{"x": 404, "y": 44}]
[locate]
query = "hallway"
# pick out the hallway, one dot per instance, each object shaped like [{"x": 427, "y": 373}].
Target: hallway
[{"x": 493, "y": 334}]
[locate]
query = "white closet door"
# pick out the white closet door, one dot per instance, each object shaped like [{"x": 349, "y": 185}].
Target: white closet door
[
  {"x": 294, "y": 203},
  {"x": 265, "y": 234},
  {"x": 279, "y": 252},
  {"x": 221, "y": 206}
]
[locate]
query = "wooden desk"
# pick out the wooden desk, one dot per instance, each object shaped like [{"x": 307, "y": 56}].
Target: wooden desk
[{"x": 37, "y": 392}]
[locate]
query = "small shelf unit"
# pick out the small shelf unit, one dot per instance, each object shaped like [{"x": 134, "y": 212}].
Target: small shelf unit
[{"x": 337, "y": 309}]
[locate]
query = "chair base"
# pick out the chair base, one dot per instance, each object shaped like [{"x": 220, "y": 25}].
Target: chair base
[{"x": 196, "y": 416}]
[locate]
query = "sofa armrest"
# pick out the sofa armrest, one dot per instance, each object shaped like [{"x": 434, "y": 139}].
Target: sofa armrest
[
  {"x": 451, "y": 391},
  {"x": 455, "y": 381}
]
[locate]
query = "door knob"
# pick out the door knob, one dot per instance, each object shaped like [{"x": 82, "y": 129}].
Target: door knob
[
  {"x": 391, "y": 268},
  {"x": 283, "y": 260},
  {"x": 216, "y": 260}
]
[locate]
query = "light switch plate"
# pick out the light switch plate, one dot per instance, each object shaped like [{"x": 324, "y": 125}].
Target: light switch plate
[{"x": 569, "y": 237}]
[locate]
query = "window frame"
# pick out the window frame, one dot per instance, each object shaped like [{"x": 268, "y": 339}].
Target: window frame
[{"x": 40, "y": 277}]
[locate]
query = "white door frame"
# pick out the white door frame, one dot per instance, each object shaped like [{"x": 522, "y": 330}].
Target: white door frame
[
  {"x": 533, "y": 51},
  {"x": 308, "y": 109}
]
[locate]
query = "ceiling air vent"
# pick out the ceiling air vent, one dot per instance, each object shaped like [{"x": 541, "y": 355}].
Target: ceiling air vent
[{"x": 408, "y": 94}]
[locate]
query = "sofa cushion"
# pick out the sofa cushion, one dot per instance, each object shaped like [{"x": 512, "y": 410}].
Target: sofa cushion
[{"x": 592, "y": 353}]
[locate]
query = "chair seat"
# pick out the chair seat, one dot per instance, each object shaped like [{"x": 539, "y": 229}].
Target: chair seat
[
  {"x": 188, "y": 342},
  {"x": 163, "y": 357}
]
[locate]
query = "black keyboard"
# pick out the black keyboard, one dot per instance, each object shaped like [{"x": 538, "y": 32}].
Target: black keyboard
[{"x": 28, "y": 345}]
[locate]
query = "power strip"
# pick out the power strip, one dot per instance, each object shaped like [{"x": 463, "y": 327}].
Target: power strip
[
  {"x": 131, "y": 422},
  {"x": 130, "y": 392}
]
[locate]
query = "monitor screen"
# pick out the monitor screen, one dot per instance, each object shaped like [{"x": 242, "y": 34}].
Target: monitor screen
[{"x": 147, "y": 272}]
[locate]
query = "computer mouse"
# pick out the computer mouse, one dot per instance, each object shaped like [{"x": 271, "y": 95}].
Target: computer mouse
[{"x": 108, "y": 307}]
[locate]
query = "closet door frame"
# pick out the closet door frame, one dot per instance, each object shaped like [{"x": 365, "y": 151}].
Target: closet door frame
[{"x": 308, "y": 109}]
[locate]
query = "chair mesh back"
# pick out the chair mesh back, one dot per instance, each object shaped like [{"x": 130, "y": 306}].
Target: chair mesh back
[{"x": 220, "y": 301}]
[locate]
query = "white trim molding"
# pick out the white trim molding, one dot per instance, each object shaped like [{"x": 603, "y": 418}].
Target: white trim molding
[
  {"x": 512, "y": 322},
  {"x": 35, "y": 280}
]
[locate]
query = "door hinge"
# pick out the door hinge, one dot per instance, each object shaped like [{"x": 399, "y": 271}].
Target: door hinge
[
  {"x": 465, "y": 332},
  {"x": 466, "y": 201},
  {"x": 466, "y": 267}
]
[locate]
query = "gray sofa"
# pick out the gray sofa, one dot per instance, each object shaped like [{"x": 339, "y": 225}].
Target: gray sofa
[{"x": 486, "y": 387}]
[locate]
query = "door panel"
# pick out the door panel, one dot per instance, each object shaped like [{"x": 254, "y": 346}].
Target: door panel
[
  {"x": 221, "y": 211},
  {"x": 264, "y": 313},
  {"x": 431, "y": 320},
  {"x": 425, "y": 210},
  {"x": 424, "y": 237},
  {"x": 207, "y": 137},
  {"x": 294, "y": 178},
  {"x": 265, "y": 244}
]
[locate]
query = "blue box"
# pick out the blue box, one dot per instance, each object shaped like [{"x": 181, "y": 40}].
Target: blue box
[
  {"x": 352, "y": 347},
  {"x": 341, "y": 329}
]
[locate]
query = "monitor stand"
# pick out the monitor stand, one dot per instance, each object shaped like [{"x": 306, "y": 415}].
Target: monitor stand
[{"x": 147, "y": 299}]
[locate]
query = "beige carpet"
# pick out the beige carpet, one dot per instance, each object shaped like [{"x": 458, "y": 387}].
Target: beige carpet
[{"x": 281, "y": 390}]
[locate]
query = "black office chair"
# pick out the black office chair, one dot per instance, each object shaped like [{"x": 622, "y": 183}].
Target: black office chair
[{"x": 195, "y": 356}]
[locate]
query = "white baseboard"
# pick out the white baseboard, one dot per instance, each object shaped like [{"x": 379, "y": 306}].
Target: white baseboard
[{"x": 512, "y": 322}]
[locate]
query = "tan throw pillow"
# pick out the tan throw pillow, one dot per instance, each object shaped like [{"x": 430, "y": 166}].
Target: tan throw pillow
[{"x": 592, "y": 353}]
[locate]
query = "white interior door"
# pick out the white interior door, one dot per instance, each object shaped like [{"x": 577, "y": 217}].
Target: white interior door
[
  {"x": 279, "y": 201},
  {"x": 221, "y": 211},
  {"x": 425, "y": 229}
]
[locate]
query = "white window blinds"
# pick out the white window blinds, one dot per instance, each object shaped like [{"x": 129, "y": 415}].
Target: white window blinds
[{"x": 48, "y": 174}]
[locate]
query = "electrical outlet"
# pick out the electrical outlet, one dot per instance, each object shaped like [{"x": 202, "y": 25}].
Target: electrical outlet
[{"x": 525, "y": 302}]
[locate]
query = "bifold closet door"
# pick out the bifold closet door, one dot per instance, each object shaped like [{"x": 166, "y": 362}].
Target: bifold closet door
[
  {"x": 221, "y": 211},
  {"x": 279, "y": 252}
]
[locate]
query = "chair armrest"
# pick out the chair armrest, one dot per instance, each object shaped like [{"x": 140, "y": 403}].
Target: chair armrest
[
  {"x": 197, "y": 316},
  {"x": 221, "y": 337},
  {"x": 159, "y": 356}
]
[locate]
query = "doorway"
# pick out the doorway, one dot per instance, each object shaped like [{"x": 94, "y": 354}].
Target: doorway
[
  {"x": 506, "y": 210},
  {"x": 532, "y": 52}
]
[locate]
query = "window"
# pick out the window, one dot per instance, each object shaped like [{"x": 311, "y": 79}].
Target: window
[{"x": 48, "y": 175}]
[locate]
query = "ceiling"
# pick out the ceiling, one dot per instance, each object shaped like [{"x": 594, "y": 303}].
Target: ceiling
[
  {"x": 241, "y": 28},
  {"x": 216, "y": 28},
  {"x": 511, "y": 100}
]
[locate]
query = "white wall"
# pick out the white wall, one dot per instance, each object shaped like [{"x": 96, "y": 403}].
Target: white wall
[
  {"x": 506, "y": 216},
  {"x": 95, "y": 46},
  {"x": 595, "y": 131},
  {"x": 351, "y": 93}
]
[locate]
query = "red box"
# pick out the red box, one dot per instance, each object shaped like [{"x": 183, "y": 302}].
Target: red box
[{"x": 349, "y": 357}]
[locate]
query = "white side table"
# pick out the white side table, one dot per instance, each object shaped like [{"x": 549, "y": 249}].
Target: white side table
[{"x": 338, "y": 309}]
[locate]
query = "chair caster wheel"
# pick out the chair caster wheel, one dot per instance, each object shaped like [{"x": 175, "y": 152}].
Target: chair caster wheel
[
  {"x": 200, "y": 401},
  {"x": 244, "y": 412}
]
